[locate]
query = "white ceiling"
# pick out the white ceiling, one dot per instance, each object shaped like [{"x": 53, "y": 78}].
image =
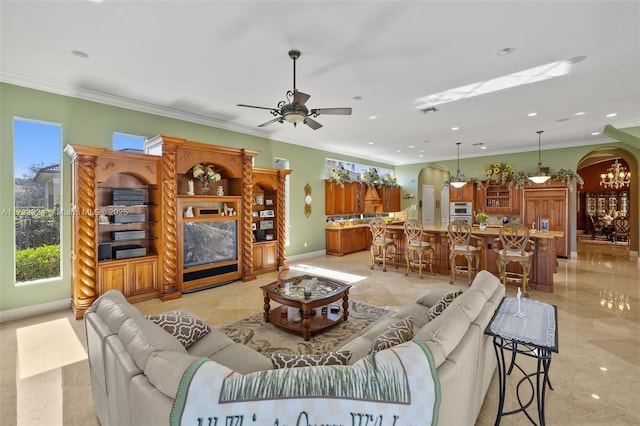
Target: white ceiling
[{"x": 197, "y": 59}]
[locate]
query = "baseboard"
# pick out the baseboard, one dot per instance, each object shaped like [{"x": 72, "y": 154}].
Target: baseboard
[
  {"x": 30, "y": 311},
  {"x": 306, "y": 255}
]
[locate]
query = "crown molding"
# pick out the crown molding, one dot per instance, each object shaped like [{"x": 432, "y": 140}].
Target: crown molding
[{"x": 127, "y": 103}]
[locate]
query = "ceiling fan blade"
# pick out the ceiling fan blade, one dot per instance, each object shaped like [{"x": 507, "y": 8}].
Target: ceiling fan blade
[
  {"x": 300, "y": 98},
  {"x": 312, "y": 123},
  {"x": 330, "y": 111},
  {"x": 259, "y": 107},
  {"x": 271, "y": 122}
]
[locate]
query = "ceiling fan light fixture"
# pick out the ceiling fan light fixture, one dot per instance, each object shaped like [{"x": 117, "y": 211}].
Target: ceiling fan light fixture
[
  {"x": 294, "y": 118},
  {"x": 541, "y": 176}
]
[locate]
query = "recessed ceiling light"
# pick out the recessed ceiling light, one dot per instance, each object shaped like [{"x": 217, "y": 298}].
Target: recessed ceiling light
[
  {"x": 80, "y": 54},
  {"x": 410, "y": 146},
  {"x": 455, "y": 128},
  {"x": 372, "y": 117},
  {"x": 532, "y": 114},
  {"x": 420, "y": 155},
  {"x": 506, "y": 51},
  {"x": 397, "y": 150},
  {"x": 483, "y": 147},
  {"x": 370, "y": 143},
  {"x": 422, "y": 150},
  {"x": 579, "y": 113},
  {"x": 613, "y": 114},
  {"x": 595, "y": 133}
]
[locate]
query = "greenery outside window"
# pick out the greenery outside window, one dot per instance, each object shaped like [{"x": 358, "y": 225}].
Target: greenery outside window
[{"x": 37, "y": 195}]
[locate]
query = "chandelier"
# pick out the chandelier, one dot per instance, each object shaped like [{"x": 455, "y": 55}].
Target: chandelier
[{"x": 617, "y": 176}]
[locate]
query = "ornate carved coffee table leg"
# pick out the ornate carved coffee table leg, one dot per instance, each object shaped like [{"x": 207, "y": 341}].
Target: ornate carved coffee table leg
[
  {"x": 345, "y": 305},
  {"x": 267, "y": 308},
  {"x": 306, "y": 323}
]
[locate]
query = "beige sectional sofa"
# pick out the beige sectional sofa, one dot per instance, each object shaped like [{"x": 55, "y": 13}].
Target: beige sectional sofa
[{"x": 136, "y": 366}]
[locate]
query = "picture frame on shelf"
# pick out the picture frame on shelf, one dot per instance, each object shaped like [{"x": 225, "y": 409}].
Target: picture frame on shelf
[
  {"x": 268, "y": 202},
  {"x": 268, "y": 237},
  {"x": 544, "y": 224},
  {"x": 255, "y": 214},
  {"x": 259, "y": 200},
  {"x": 266, "y": 224},
  {"x": 254, "y": 226},
  {"x": 267, "y": 213}
]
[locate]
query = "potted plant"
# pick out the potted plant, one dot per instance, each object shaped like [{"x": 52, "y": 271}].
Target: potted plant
[{"x": 481, "y": 219}]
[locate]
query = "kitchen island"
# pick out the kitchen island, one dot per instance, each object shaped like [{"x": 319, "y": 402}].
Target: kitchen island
[{"x": 544, "y": 259}]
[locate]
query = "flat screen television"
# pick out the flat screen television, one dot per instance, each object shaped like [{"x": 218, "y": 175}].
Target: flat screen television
[{"x": 207, "y": 243}]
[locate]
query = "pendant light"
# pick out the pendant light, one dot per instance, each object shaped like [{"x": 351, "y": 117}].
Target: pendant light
[
  {"x": 457, "y": 181},
  {"x": 541, "y": 176}
]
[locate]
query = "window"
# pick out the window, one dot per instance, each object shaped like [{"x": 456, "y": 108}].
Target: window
[
  {"x": 37, "y": 192},
  {"x": 124, "y": 142}
]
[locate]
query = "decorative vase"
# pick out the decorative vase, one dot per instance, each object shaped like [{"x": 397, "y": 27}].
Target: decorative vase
[
  {"x": 205, "y": 188},
  {"x": 483, "y": 226}
]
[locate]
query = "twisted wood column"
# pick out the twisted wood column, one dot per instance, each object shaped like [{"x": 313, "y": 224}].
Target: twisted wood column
[
  {"x": 85, "y": 289},
  {"x": 169, "y": 285},
  {"x": 282, "y": 222},
  {"x": 247, "y": 240}
]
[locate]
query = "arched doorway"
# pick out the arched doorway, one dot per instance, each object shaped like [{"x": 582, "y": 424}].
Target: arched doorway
[
  {"x": 433, "y": 175},
  {"x": 590, "y": 167}
]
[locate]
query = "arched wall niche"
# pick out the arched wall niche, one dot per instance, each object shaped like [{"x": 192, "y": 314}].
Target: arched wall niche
[
  {"x": 433, "y": 174},
  {"x": 606, "y": 155}
]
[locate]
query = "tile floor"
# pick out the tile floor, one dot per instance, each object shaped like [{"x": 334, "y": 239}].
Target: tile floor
[{"x": 595, "y": 374}]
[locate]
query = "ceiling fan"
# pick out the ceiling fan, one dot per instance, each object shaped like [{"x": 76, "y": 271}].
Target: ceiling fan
[{"x": 293, "y": 109}]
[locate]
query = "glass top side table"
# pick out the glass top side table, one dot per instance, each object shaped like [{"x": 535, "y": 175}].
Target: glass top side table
[{"x": 529, "y": 328}]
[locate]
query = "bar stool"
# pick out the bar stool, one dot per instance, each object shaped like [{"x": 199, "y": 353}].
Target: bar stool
[
  {"x": 417, "y": 247},
  {"x": 381, "y": 244},
  {"x": 460, "y": 237},
  {"x": 513, "y": 245}
]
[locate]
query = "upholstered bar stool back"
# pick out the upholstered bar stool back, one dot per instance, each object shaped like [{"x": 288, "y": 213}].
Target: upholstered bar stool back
[
  {"x": 417, "y": 249},
  {"x": 383, "y": 248},
  {"x": 463, "y": 243},
  {"x": 513, "y": 245}
]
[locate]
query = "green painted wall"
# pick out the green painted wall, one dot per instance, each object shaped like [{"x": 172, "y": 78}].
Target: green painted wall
[{"x": 90, "y": 123}]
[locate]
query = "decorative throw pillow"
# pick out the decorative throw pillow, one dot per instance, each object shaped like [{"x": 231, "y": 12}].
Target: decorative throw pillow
[
  {"x": 310, "y": 360},
  {"x": 442, "y": 304},
  {"x": 398, "y": 332},
  {"x": 184, "y": 327}
]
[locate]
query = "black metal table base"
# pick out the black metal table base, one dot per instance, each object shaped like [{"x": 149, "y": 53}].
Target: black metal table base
[{"x": 538, "y": 391}]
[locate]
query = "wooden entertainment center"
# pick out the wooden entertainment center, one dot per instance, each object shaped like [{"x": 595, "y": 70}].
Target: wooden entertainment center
[{"x": 141, "y": 227}]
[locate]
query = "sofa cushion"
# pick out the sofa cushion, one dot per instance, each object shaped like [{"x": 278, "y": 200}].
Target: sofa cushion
[
  {"x": 140, "y": 337},
  {"x": 184, "y": 327},
  {"x": 415, "y": 310},
  {"x": 113, "y": 309},
  {"x": 398, "y": 332},
  {"x": 242, "y": 359},
  {"x": 443, "y": 333},
  {"x": 442, "y": 304},
  {"x": 431, "y": 297},
  {"x": 165, "y": 370},
  {"x": 211, "y": 343},
  {"x": 310, "y": 360}
]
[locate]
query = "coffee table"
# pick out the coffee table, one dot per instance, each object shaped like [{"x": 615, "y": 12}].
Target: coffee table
[{"x": 309, "y": 317}]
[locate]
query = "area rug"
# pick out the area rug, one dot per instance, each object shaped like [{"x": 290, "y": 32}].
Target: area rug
[{"x": 267, "y": 338}]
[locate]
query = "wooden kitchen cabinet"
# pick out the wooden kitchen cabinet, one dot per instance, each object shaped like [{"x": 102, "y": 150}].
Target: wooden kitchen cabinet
[
  {"x": 347, "y": 199},
  {"x": 466, "y": 193},
  {"x": 341, "y": 241},
  {"x": 549, "y": 202},
  {"x": 390, "y": 199},
  {"x": 497, "y": 198}
]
